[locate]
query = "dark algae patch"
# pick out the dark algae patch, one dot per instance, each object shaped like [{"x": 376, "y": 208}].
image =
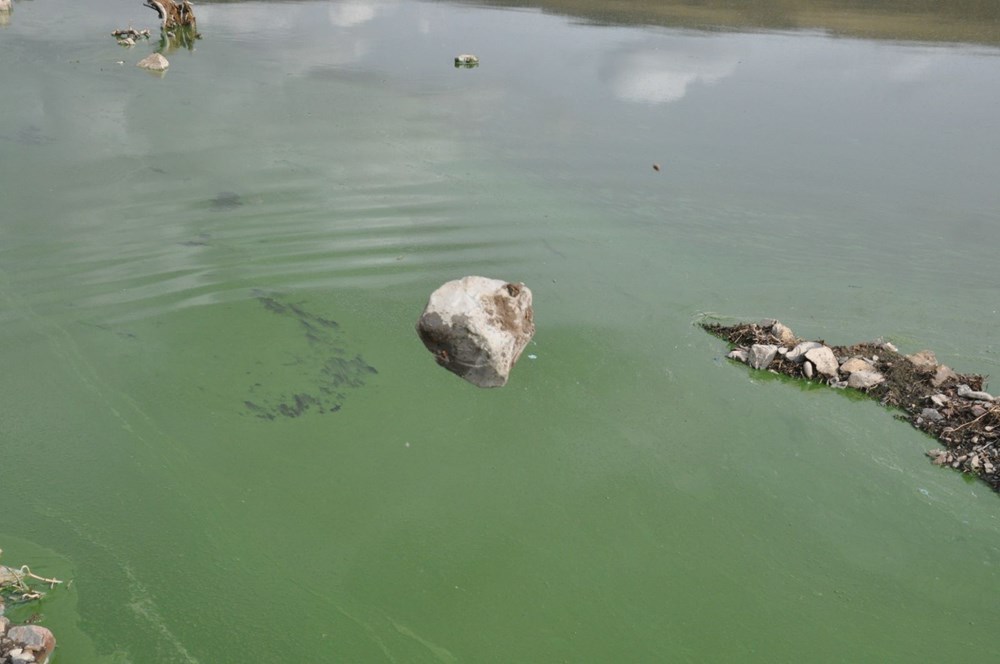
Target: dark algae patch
[
  {"x": 951, "y": 407},
  {"x": 327, "y": 368}
]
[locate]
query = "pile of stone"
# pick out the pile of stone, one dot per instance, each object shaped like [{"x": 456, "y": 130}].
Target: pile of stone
[
  {"x": 950, "y": 406},
  {"x": 24, "y": 644},
  {"x": 129, "y": 36}
]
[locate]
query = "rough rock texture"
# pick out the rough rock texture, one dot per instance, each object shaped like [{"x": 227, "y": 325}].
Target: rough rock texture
[
  {"x": 6, "y": 5},
  {"x": 798, "y": 353},
  {"x": 739, "y": 354},
  {"x": 477, "y": 327},
  {"x": 154, "y": 62},
  {"x": 923, "y": 360},
  {"x": 942, "y": 375},
  {"x": 967, "y": 392},
  {"x": 856, "y": 364},
  {"x": 782, "y": 332},
  {"x": 865, "y": 380},
  {"x": 30, "y": 643},
  {"x": 761, "y": 355},
  {"x": 824, "y": 360}
]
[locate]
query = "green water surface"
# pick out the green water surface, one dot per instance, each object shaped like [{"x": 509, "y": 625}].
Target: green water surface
[{"x": 219, "y": 422}]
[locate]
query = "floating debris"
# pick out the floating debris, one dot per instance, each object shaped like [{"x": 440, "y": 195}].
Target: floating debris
[
  {"x": 466, "y": 60},
  {"x": 129, "y": 36},
  {"x": 14, "y": 583}
]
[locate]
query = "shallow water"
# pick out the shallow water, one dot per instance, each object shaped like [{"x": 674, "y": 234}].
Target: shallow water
[{"x": 220, "y": 423}]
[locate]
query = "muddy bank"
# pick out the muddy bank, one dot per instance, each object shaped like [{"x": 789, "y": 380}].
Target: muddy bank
[{"x": 949, "y": 406}]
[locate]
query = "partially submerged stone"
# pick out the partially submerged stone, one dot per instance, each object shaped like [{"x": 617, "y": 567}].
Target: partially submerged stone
[
  {"x": 466, "y": 60},
  {"x": 153, "y": 62},
  {"x": 477, "y": 327},
  {"x": 35, "y": 639}
]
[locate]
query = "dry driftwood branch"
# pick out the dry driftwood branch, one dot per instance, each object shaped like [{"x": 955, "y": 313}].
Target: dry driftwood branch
[{"x": 12, "y": 581}]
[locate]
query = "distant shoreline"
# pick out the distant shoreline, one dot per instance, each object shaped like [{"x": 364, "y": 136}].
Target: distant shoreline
[{"x": 960, "y": 21}]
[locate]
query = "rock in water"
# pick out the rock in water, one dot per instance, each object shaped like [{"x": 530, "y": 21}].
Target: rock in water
[
  {"x": 477, "y": 327},
  {"x": 865, "y": 380},
  {"x": 34, "y": 637},
  {"x": 761, "y": 355},
  {"x": 154, "y": 62},
  {"x": 798, "y": 354},
  {"x": 824, "y": 360}
]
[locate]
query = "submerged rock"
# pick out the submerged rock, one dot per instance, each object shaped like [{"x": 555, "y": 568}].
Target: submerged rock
[
  {"x": 153, "y": 62},
  {"x": 477, "y": 328},
  {"x": 466, "y": 60}
]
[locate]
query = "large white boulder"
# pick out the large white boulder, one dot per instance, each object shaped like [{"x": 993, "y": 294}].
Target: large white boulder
[
  {"x": 476, "y": 327},
  {"x": 824, "y": 360}
]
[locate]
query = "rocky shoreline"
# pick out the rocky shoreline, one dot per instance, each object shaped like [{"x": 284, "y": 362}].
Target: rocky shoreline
[
  {"x": 935, "y": 399},
  {"x": 28, "y": 643},
  {"x": 24, "y": 644}
]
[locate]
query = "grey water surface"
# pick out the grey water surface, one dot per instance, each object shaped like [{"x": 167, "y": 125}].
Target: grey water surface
[{"x": 218, "y": 420}]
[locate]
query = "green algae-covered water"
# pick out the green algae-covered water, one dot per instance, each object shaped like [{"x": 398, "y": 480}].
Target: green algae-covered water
[{"x": 219, "y": 422}]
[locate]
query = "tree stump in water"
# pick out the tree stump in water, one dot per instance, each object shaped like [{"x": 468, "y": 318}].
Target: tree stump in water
[{"x": 173, "y": 14}]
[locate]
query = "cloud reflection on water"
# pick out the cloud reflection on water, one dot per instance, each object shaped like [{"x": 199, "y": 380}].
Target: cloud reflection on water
[{"x": 653, "y": 75}]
